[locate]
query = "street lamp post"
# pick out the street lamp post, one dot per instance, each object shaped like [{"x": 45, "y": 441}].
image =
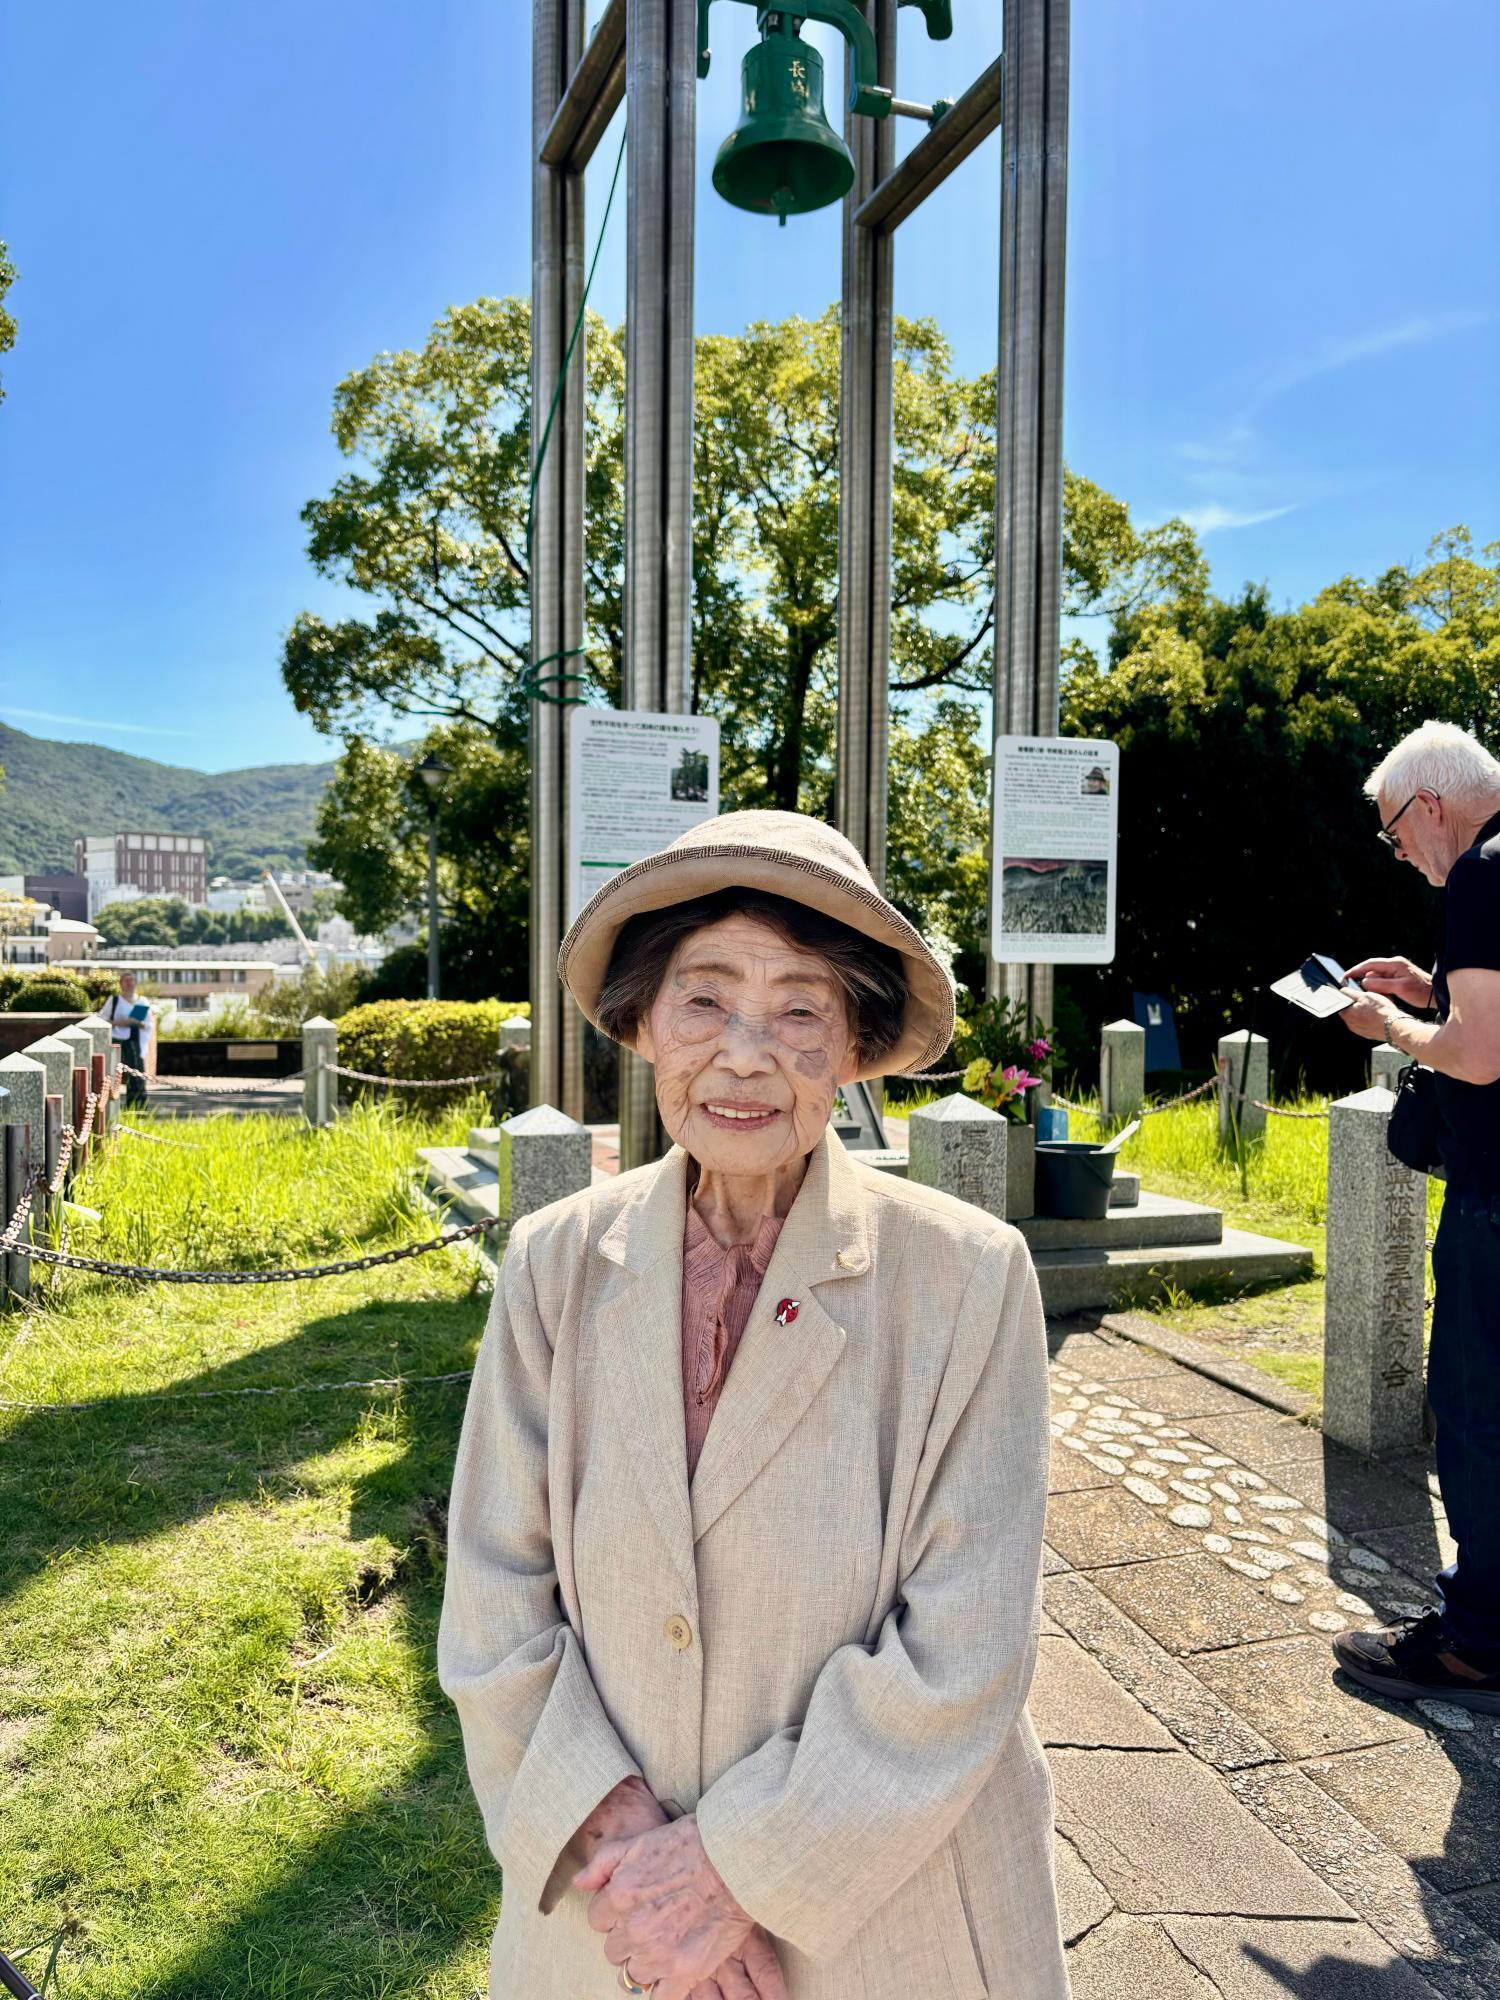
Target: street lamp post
[{"x": 432, "y": 771}]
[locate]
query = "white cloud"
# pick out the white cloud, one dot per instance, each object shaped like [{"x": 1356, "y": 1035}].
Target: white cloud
[
  {"x": 95, "y": 722},
  {"x": 1207, "y": 519}
]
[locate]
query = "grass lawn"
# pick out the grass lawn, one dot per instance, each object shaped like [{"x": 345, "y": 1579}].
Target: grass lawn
[{"x": 226, "y": 1763}]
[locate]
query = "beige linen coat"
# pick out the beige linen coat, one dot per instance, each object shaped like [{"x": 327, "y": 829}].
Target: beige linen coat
[{"x": 823, "y": 1648}]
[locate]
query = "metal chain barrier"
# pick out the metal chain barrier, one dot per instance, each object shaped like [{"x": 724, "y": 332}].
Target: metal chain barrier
[
  {"x": 278, "y": 1389},
  {"x": 414, "y": 1082},
  {"x": 1146, "y": 1110},
  {"x": 931, "y": 1075},
  {"x": 156, "y": 1139},
  {"x": 210, "y": 1086},
  {"x": 156, "y": 1275},
  {"x": 17, "y": 1221}
]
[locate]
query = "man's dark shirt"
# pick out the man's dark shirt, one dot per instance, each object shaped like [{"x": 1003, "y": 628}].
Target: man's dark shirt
[{"x": 1470, "y": 1137}]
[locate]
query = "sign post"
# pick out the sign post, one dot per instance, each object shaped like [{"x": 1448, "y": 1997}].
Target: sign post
[
  {"x": 1054, "y": 851},
  {"x": 636, "y": 780}
]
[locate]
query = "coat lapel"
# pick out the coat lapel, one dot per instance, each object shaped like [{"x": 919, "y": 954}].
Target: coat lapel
[
  {"x": 638, "y": 1331},
  {"x": 778, "y": 1370}
]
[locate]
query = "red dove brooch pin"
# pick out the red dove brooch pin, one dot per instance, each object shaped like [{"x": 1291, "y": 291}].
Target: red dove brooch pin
[{"x": 786, "y": 1312}]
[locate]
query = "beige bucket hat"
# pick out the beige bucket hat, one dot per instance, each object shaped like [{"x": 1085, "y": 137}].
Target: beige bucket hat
[{"x": 786, "y": 854}]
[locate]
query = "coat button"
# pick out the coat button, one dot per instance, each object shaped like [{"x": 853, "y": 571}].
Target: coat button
[{"x": 679, "y": 1632}]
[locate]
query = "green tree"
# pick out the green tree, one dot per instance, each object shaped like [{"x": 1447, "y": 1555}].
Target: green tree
[
  {"x": 7, "y": 321},
  {"x": 1245, "y": 838},
  {"x": 430, "y": 525}
]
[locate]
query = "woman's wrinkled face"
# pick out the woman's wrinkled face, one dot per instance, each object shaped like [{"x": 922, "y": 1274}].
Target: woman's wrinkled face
[{"x": 750, "y": 1039}]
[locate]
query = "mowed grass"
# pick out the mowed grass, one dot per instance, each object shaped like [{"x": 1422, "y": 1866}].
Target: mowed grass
[{"x": 226, "y": 1765}]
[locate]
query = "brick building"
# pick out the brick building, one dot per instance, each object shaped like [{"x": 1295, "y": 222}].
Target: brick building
[{"x": 142, "y": 864}]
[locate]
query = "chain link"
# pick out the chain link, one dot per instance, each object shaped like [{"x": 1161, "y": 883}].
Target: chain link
[
  {"x": 17, "y": 1221},
  {"x": 415, "y": 1082},
  {"x": 930, "y": 1075},
  {"x": 156, "y": 1275},
  {"x": 156, "y": 1139},
  {"x": 210, "y": 1086}
]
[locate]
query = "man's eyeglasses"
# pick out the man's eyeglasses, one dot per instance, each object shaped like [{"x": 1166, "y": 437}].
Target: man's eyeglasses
[{"x": 1394, "y": 840}]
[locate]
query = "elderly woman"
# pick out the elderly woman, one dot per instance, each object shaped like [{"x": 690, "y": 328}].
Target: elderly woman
[{"x": 745, "y": 1538}]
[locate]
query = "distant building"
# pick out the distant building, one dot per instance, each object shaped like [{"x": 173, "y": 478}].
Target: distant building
[
  {"x": 224, "y": 895},
  {"x": 40, "y": 937},
  {"x": 67, "y": 893},
  {"x": 143, "y": 864},
  {"x": 193, "y": 984}
]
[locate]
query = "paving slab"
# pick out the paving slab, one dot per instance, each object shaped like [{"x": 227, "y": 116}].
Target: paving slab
[
  {"x": 1184, "y": 1394},
  {"x": 1188, "y": 1603},
  {"x": 1129, "y": 1958},
  {"x": 1075, "y": 1704},
  {"x": 1261, "y": 1438},
  {"x": 1052, "y": 1562},
  {"x": 1163, "y": 1835},
  {"x": 1453, "y": 1952},
  {"x": 1176, "y": 1697},
  {"x": 1421, "y": 1549},
  {"x": 1482, "y": 1905},
  {"x": 1072, "y": 1471},
  {"x": 1354, "y": 1493},
  {"x": 1265, "y": 1960},
  {"x": 1082, "y": 1901},
  {"x": 1286, "y": 1689},
  {"x": 1111, "y": 1526},
  {"x": 1431, "y": 1802},
  {"x": 1109, "y": 1360}
]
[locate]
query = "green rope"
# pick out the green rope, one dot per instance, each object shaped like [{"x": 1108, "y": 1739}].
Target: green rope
[{"x": 532, "y": 678}]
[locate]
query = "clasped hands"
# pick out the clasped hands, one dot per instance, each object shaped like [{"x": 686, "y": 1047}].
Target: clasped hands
[{"x": 663, "y": 1906}]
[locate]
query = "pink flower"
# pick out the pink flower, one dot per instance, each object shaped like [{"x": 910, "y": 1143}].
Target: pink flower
[
  {"x": 1017, "y": 1078},
  {"x": 1039, "y": 1050}
]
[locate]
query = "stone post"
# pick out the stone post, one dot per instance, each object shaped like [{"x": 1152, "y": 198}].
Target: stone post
[
  {"x": 1374, "y": 1296},
  {"x": 515, "y": 1056},
  {"x": 102, "y": 1042},
  {"x": 961, "y": 1147},
  {"x": 1257, "y": 1083},
  {"x": 56, "y": 1058},
  {"x": 320, "y": 1050},
  {"x": 544, "y": 1155},
  {"x": 1386, "y": 1065},
  {"x": 1122, "y": 1071},
  {"x": 82, "y": 1045},
  {"x": 23, "y": 1113}
]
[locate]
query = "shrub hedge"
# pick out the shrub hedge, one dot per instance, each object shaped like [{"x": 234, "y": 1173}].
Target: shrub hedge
[
  {"x": 48, "y": 993},
  {"x": 427, "y": 1039}
]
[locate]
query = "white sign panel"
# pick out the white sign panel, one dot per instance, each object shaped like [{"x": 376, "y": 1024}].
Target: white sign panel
[
  {"x": 635, "y": 781},
  {"x": 1054, "y": 851}
]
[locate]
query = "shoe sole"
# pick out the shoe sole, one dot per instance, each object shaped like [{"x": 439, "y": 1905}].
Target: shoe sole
[{"x": 1479, "y": 1700}]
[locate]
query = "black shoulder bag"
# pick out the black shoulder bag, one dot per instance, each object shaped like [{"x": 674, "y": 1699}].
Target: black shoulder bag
[{"x": 1412, "y": 1134}]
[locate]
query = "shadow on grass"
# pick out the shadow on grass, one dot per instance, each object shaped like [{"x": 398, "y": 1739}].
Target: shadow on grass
[{"x": 373, "y": 1906}]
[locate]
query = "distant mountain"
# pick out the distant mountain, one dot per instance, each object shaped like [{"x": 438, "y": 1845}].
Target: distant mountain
[{"x": 53, "y": 792}]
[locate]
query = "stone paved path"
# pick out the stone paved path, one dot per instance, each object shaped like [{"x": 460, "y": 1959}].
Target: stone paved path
[{"x": 1233, "y": 1820}]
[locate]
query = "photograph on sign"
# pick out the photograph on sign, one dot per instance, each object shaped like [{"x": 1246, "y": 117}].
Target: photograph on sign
[
  {"x": 1052, "y": 893},
  {"x": 636, "y": 780}
]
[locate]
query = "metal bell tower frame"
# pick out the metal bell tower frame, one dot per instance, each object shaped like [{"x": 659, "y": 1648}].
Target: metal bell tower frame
[{"x": 644, "y": 52}]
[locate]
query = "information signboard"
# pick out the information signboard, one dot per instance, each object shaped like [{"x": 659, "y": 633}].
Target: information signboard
[
  {"x": 1054, "y": 851},
  {"x": 636, "y": 780}
]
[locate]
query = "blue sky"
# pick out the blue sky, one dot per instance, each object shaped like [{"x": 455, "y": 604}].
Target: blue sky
[{"x": 1283, "y": 297}]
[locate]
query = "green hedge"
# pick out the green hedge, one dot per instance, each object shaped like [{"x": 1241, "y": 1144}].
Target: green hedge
[
  {"x": 424, "y": 1038},
  {"x": 48, "y": 993}
]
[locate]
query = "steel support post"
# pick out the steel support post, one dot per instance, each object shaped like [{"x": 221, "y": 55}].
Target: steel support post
[
  {"x": 866, "y": 336},
  {"x": 1028, "y": 455},
  {"x": 556, "y": 555},
  {"x": 661, "y": 83}
]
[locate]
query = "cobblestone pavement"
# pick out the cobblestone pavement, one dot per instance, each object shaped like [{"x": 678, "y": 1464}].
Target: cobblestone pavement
[{"x": 1233, "y": 1819}]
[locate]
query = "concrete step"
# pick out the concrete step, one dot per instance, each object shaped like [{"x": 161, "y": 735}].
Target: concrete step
[
  {"x": 1124, "y": 1190},
  {"x": 453, "y": 1175},
  {"x": 1156, "y": 1221},
  {"x": 1072, "y": 1280}
]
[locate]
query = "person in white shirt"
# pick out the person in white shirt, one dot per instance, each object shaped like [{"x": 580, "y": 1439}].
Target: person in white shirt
[{"x": 132, "y": 1034}]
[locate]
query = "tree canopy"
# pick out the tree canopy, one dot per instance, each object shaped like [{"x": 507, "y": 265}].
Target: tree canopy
[{"x": 430, "y": 526}]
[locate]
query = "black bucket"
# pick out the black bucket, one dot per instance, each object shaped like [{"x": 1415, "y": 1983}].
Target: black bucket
[{"x": 1073, "y": 1179}]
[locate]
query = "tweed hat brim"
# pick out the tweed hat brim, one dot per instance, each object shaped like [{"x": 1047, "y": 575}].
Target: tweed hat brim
[{"x": 819, "y": 870}]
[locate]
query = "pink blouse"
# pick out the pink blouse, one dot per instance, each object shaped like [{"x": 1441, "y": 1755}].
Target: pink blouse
[{"x": 719, "y": 1287}]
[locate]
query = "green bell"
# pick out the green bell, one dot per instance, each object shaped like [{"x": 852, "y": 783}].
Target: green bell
[{"x": 783, "y": 158}]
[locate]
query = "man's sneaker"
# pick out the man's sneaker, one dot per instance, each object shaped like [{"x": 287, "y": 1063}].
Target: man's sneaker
[{"x": 1417, "y": 1661}]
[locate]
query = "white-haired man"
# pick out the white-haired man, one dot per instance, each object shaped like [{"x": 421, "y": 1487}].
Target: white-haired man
[{"x": 1438, "y": 796}]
